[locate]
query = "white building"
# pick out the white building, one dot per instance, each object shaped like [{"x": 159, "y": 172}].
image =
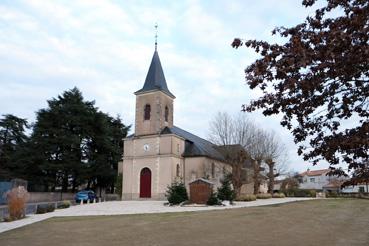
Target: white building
[
  {"x": 319, "y": 180},
  {"x": 360, "y": 188}
]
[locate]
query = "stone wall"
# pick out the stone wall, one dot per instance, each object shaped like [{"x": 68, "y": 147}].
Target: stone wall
[{"x": 49, "y": 196}]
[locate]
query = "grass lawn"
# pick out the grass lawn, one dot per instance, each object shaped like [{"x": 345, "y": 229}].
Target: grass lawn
[{"x": 317, "y": 222}]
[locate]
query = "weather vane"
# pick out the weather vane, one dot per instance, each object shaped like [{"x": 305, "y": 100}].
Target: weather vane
[{"x": 156, "y": 36}]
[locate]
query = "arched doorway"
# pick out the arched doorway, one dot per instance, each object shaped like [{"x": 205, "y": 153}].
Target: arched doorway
[{"x": 145, "y": 183}]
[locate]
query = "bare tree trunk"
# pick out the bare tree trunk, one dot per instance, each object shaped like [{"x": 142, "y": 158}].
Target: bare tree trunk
[
  {"x": 256, "y": 176},
  {"x": 271, "y": 174},
  {"x": 236, "y": 178}
]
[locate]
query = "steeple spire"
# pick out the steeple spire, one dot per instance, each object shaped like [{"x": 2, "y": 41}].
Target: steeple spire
[
  {"x": 155, "y": 79},
  {"x": 156, "y": 36}
]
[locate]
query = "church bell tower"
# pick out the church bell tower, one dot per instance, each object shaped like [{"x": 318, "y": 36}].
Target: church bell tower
[{"x": 154, "y": 102}]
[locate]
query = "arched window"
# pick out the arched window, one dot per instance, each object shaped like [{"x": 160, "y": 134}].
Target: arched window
[
  {"x": 177, "y": 171},
  {"x": 166, "y": 114},
  {"x": 213, "y": 170},
  {"x": 147, "y": 112}
]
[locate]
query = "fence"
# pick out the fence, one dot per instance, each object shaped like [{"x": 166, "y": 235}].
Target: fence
[{"x": 4, "y": 187}]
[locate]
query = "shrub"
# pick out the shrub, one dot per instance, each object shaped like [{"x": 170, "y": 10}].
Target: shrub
[
  {"x": 225, "y": 192},
  {"x": 300, "y": 193},
  {"x": 176, "y": 193},
  {"x": 213, "y": 200},
  {"x": 64, "y": 204},
  {"x": 263, "y": 196},
  {"x": 332, "y": 194},
  {"x": 312, "y": 193},
  {"x": 45, "y": 208},
  {"x": 119, "y": 184},
  {"x": 278, "y": 195},
  {"x": 247, "y": 198},
  {"x": 17, "y": 198}
]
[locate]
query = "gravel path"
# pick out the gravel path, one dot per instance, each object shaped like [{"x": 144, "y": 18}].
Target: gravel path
[{"x": 133, "y": 207}]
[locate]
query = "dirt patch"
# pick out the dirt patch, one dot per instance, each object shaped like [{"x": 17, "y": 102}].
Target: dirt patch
[{"x": 318, "y": 222}]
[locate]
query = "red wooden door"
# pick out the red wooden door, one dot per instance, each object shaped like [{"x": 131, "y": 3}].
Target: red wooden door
[{"x": 145, "y": 183}]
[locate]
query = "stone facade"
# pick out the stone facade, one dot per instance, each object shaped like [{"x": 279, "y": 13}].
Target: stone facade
[
  {"x": 158, "y": 101},
  {"x": 158, "y": 153}
]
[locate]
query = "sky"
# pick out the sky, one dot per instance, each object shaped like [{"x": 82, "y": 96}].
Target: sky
[{"x": 105, "y": 47}]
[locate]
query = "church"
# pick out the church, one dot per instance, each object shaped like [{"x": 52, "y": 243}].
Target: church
[{"x": 159, "y": 153}]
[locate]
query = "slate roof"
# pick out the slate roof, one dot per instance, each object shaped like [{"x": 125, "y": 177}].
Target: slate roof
[
  {"x": 155, "y": 79},
  {"x": 194, "y": 145}
]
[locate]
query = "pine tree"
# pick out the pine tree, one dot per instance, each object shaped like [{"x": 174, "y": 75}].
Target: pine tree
[
  {"x": 225, "y": 192},
  {"x": 75, "y": 143},
  {"x": 12, "y": 140}
]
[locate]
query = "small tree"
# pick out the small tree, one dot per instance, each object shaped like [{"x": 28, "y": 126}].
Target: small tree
[
  {"x": 226, "y": 192},
  {"x": 17, "y": 199},
  {"x": 213, "y": 200},
  {"x": 176, "y": 193},
  {"x": 119, "y": 184}
]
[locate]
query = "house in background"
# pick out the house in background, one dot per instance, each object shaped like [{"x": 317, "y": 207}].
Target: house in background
[
  {"x": 320, "y": 181},
  {"x": 360, "y": 188}
]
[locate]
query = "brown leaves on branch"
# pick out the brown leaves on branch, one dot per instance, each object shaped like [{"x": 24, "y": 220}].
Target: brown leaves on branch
[{"x": 319, "y": 81}]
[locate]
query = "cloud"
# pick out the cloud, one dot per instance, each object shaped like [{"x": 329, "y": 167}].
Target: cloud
[{"x": 105, "y": 48}]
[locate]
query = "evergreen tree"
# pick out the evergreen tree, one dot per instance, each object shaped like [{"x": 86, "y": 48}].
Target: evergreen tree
[
  {"x": 74, "y": 143},
  {"x": 105, "y": 150},
  {"x": 12, "y": 140},
  {"x": 225, "y": 192}
]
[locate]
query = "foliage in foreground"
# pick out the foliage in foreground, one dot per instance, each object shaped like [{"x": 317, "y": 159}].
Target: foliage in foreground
[
  {"x": 176, "y": 193},
  {"x": 17, "y": 198},
  {"x": 319, "y": 81},
  {"x": 359, "y": 176}
]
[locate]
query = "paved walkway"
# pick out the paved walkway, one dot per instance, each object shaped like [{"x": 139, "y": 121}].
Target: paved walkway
[{"x": 134, "y": 207}]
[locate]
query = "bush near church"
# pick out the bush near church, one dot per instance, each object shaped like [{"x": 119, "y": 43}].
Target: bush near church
[
  {"x": 176, "y": 193},
  {"x": 213, "y": 200},
  {"x": 225, "y": 192},
  {"x": 246, "y": 198},
  {"x": 263, "y": 196}
]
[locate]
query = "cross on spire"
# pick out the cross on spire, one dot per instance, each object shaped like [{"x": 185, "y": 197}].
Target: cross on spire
[{"x": 156, "y": 36}]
